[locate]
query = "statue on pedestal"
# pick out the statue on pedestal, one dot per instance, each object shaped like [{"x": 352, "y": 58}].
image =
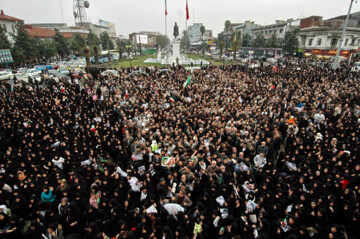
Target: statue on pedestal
[{"x": 176, "y": 31}]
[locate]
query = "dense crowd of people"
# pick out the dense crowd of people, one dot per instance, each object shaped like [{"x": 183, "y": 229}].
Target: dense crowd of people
[{"x": 268, "y": 152}]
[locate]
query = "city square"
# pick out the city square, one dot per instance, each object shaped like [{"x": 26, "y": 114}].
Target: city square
[{"x": 177, "y": 132}]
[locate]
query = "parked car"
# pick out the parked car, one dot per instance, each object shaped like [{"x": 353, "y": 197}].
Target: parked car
[
  {"x": 110, "y": 72},
  {"x": 25, "y": 78},
  {"x": 4, "y": 75},
  {"x": 55, "y": 65},
  {"x": 33, "y": 72},
  {"x": 78, "y": 74},
  {"x": 63, "y": 70},
  {"x": 56, "y": 74}
]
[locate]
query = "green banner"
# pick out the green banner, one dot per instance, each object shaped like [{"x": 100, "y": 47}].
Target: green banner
[{"x": 5, "y": 56}]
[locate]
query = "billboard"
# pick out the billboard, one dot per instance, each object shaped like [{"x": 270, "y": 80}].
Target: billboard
[
  {"x": 111, "y": 25},
  {"x": 143, "y": 39},
  {"x": 103, "y": 23},
  {"x": 107, "y": 24},
  {"x": 5, "y": 56}
]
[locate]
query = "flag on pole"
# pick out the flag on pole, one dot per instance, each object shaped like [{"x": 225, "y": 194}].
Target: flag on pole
[
  {"x": 165, "y": 8},
  {"x": 187, "y": 10},
  {"x": 187, "y": 82}
]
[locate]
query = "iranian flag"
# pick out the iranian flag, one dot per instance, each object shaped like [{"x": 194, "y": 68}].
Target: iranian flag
[
  {"x": 165, "y": 8},
  {"x": 172, "y": 100},
  {"x": 187, "y": 10},
  {"x": 187, "y": 82}
]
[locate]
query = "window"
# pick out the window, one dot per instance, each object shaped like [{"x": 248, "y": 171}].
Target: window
[
  {"x": 346, "y": 41},
  {"x": 334, "y": 42},
  {"x": 310, "y": 42},
  {"x": 4, "y": 27},
  {"x": 281, "y": 31},
  {"x": 319, "y": 42},
  {"x": 353, "y": 42},
  {"x": 13, "y": 28}
]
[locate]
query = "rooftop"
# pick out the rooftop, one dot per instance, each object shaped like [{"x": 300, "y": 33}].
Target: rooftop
[
  {"x": 9, "y": 18},
  {"x": 40, "y": 32}
]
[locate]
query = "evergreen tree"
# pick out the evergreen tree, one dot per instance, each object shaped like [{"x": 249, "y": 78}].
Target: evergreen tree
[
  {"x": 4, "y": 41},
  {"x": 259, "y": 41},
  {"x": 291, "y": 43},
  {"x": 61, "y": 44},
  {"x": 24, "y": 48}
]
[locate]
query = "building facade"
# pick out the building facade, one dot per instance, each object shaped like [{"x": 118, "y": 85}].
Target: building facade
[
  {"x": 8, "y": 23},
  {"x": 321, "y": 37},
  {"x": 279, "y": 29},
  {"x": 194, "y": 33},
  {"x": 146, "y": 38}
]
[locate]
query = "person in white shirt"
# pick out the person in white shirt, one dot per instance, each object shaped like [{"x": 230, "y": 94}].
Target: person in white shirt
[
  {"x": 318, "y": 117},
  {"x": 259, "y": 161}
]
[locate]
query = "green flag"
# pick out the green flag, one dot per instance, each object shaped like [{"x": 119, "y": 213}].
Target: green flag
[{"x": 187, "y": 82}]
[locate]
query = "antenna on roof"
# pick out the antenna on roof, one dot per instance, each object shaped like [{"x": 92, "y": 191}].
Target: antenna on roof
[{"x": 62, "y": 15}]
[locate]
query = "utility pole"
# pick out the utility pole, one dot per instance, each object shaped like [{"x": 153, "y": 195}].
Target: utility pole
[{"x": 336, "y": 61}]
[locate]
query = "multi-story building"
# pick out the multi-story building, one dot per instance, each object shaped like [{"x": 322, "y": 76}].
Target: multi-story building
[
  {"x": 146, "y": 38},
  {"x": 244, "y": 28},
  {"x": 194, "y": 33},
  {"x": 279, "y": 29},
  {"x": 8, "y": 23},
  {"x": 321, "y": 37}
]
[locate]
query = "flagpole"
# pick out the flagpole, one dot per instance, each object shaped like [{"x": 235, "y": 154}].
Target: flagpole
[
  {"x": 166, "y": 31},
  {"x": 166, "y": 24},
  {"x": 187, "y": 38},
  {"x": 187, "y": 33}
]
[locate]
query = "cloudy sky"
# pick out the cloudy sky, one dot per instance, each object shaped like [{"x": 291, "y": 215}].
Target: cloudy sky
[{"x": 148, "y": 15}]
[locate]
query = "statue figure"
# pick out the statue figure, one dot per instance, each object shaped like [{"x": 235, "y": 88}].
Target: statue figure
[{"x": 176, "y": 31}]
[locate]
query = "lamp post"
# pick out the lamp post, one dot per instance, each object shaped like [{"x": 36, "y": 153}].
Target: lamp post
[
  {"x": 336, "y": 61},
  {"x": 223, "y": 57},
  {"x": 130, "y": 58}
]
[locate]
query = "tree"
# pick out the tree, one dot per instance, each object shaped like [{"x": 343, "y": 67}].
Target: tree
[
  {"x": 77, "y": 44},
  {"x": 291, "y": 43},
  {"x": 246, "y": 40},
  {"x": 23, "y": 49},
  {"x": 227, "y": 25},
  {"x": 105, "y": 41},
  {"x": 50, "y": 48},
  {"x": 273, "y": 41},
  {"x": 235, "y": 46},
  {"x": 120, "y": 46},
  {"x": 227, "y": 32},
  {"x": 259, "y": 41},
  {"x": 162, "y": 41},
  {"x": 111, "y": 45},
  {"x": 184, "y": 39},
  {"x": 61, "y": 44},
  {"x": 4, "y": 41},
  {"x": 87, "y": 55},
  {"x": 93, "y": 39},
  {"x": 202, "y": 31},
  {"x": 96, "y": 54},
  {"x": 221, "y": 47}
]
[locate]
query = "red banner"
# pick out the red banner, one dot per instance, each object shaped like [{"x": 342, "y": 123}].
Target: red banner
[{"x": 345, "y": 53}]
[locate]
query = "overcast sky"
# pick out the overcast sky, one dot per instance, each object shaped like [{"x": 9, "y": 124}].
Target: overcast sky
[{"x": 149, "y": 15}]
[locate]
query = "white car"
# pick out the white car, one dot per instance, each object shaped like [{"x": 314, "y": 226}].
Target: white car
[
  {"x": 110, "y": 72},
  {"x": 33, "y": 72},
  {"x": 25, "y": 78},
  {"x": 356, "y": 67},
  {"x": 4, "y": 75}
]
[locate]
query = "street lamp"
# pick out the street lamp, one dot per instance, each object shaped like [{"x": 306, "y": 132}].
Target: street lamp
[
  {"x": 223, "y": 57},
  {"x": 130, "y": 58},
  {"x": 336, "y": 61}
]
